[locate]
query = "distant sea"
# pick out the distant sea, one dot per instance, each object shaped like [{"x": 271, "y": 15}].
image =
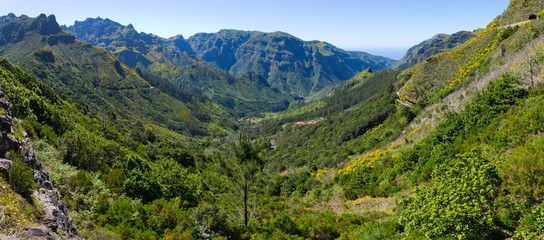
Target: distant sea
[{"x": 395, "y": 53}]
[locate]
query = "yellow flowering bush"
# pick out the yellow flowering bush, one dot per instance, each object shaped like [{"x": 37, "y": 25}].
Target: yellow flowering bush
[
  {"x": 15, "y": 212},
  {"x": 417, "y": 130},
  {"x": 367, "y": 160}
]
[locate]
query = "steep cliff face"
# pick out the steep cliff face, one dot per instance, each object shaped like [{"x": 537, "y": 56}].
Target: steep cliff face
[
  {"x": 289, "y": 63},
  {"x": 55, "y": 213}
]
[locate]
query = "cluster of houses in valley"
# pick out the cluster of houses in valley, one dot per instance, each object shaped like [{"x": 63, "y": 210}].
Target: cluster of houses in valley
[
  {"x": 299, "y": 123},
  {"x": 302, "y": 123}
]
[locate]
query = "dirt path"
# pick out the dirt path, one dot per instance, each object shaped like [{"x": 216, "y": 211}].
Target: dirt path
[
  {"x": 514, "y": 24},
  {"x": 407, "y": 104}
]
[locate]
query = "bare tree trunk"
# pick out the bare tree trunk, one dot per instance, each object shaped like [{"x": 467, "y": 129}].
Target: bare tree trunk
[
  {"x": 245, "y": 205},
  {"x": 532, "y": 71}
]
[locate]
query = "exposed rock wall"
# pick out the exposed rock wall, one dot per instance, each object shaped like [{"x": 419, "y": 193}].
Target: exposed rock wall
[{"x": 56, "y": 214}]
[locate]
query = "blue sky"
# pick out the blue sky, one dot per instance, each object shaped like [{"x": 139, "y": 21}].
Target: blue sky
[{"x": 386, "y": 25}]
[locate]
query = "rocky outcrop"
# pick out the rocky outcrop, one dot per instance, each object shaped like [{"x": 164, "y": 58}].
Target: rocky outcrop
[
  {"x": 6, "y": 141},
  {"x": 40, "y": 233},
  {"x": 17, "y": 28},
  {"x": 5, "y": 165},
  {"x": 55, "y": 211}
]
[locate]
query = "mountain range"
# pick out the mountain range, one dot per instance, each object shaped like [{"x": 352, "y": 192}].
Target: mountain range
[
  {"x": 136, "y": 70},
  {"x": 289, "y": 64},
  {"x": 94, "y": 77},
  {"x": 172, "y": 60},
  {"x": 246, "y": 134}
]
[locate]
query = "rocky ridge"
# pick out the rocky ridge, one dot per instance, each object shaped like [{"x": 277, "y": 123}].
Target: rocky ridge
[{"x": 12, "y": 138}]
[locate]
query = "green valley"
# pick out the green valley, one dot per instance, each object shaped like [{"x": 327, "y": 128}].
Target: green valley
[
  {"x": 96, "y": 79},
  {"x": 256, "y": 135}
]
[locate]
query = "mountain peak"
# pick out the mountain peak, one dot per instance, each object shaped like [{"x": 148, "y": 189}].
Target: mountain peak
[
  {"x": 46, "y": 25},
  {"x": 14, "y": 28}
]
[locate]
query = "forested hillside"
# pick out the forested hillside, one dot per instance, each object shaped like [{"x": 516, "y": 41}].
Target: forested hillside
[
  {"x": 287, "y": 62},
  {"x": 410, "y": 142},
  {"x": 449, "y": 148},
  {"x": 96, "y": 80},
  {"x": 173, "y": 60}
]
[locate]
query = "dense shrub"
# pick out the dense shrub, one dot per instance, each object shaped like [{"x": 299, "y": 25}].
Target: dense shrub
[
  {"x": 21, "y": 178},
  {"x": 459, "y": 203},
  {"x": 81, "y": 152},
  {"x": 211, "y": 222}
]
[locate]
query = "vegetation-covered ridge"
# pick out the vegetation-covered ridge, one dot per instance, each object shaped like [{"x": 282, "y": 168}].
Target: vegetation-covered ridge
[
  {"x": 173, "y": 60},
  {"x": 287, "y": 62},
  {"x": 96, "y": 80},
  {"x": 450, "y": 148},
  {"x": 470, "y": 107},
  {"x": 435, "y": 45}
]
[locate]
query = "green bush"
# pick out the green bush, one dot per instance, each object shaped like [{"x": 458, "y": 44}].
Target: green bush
[
  {"x": 522, "y": 172},
  {"x": 81, "y": 180},
  {"x": 141, "y": 185},
  {"x": 211, "y": 222},
  {"x": 388, "y": 229},
  {"x": 114, "y": 180},
  {"x": 286, "y": 224},
  {"x": 532, "y": 225},
  {"x": 459, "y": 203},
  {"x": 21, "y": 178},
  {"x": 81, "y": 151},
  {"x": 509, "y": 31}
]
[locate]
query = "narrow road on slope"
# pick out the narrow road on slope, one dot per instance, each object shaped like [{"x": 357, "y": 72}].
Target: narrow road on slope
[
  {"x": 404, "y": 103},
  {"x": 514, "y": 24}
]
